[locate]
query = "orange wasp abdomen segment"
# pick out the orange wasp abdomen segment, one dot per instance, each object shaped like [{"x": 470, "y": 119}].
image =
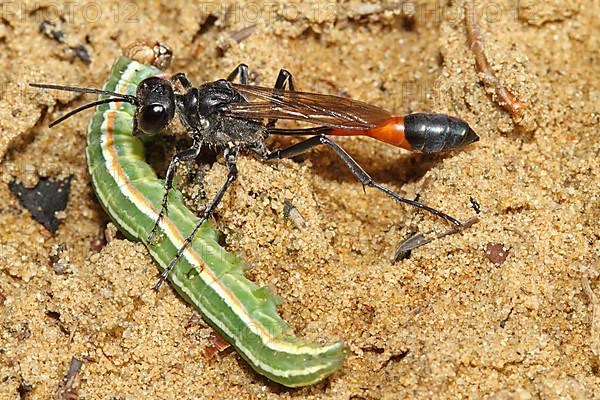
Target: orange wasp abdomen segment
[{"x": 389, "y": 131}]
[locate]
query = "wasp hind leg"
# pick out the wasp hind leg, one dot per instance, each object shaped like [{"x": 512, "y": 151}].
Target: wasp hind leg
[{"x": 360, "y": 174}]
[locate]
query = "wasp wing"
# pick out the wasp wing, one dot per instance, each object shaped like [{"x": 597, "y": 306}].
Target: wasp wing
[{"x": 321, "y": 109}]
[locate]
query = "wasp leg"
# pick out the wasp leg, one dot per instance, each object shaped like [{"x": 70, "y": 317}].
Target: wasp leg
[
  {"x": 356, "y": 170},
  {"x": 240, "y": 71},
  {"x": 284, "y": 78},
  {"x": 173, "y": 165},
  {"x": 182, "y": 78},
  {"x": 231, "y": 158}
]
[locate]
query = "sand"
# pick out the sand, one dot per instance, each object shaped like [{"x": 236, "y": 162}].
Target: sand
[{"x": 451, "y": 321}]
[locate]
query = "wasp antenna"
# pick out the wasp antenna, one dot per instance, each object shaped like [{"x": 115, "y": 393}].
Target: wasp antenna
[
  {"x": 115, "y": 97},
  {"x": 76, "y": 89},
  {"x": 85, "y": 107}
]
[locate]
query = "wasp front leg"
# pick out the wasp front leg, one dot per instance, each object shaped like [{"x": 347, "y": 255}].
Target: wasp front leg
[
  {"x": 185, "y": 155},
  {"x": 231, "y": 160}
]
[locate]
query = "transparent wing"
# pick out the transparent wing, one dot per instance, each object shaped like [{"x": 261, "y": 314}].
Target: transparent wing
[{"x": 320, "y": 109}]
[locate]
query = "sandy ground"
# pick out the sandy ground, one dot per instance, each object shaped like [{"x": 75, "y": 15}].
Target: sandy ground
[{"x": 445, "y": 323}]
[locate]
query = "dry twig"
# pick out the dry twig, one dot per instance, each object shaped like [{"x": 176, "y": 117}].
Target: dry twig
[
  {"x": 509, "y": 101},
  {"x": 595, "y": 328},
  {"x": 68, "y": 391},
  {"x": 421, "y": 239}
]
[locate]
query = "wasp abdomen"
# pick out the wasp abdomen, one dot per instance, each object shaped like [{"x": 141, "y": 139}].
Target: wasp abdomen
[{"x": 433, "y": 133}]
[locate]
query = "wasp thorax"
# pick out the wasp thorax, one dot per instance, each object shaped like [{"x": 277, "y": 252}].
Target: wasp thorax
[{"x": 156, "y": 106}]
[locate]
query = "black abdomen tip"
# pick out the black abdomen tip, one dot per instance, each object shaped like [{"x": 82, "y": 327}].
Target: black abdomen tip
[{"x": 434, "y": 133}]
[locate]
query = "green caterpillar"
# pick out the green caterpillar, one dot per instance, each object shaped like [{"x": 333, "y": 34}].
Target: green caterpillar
[{"x": 206, "y": 276}]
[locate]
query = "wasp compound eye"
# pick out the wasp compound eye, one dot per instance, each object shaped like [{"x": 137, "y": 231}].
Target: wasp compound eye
[
  {"x": 153, "y": 118},
  {"x": 157, "y": 105}
]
